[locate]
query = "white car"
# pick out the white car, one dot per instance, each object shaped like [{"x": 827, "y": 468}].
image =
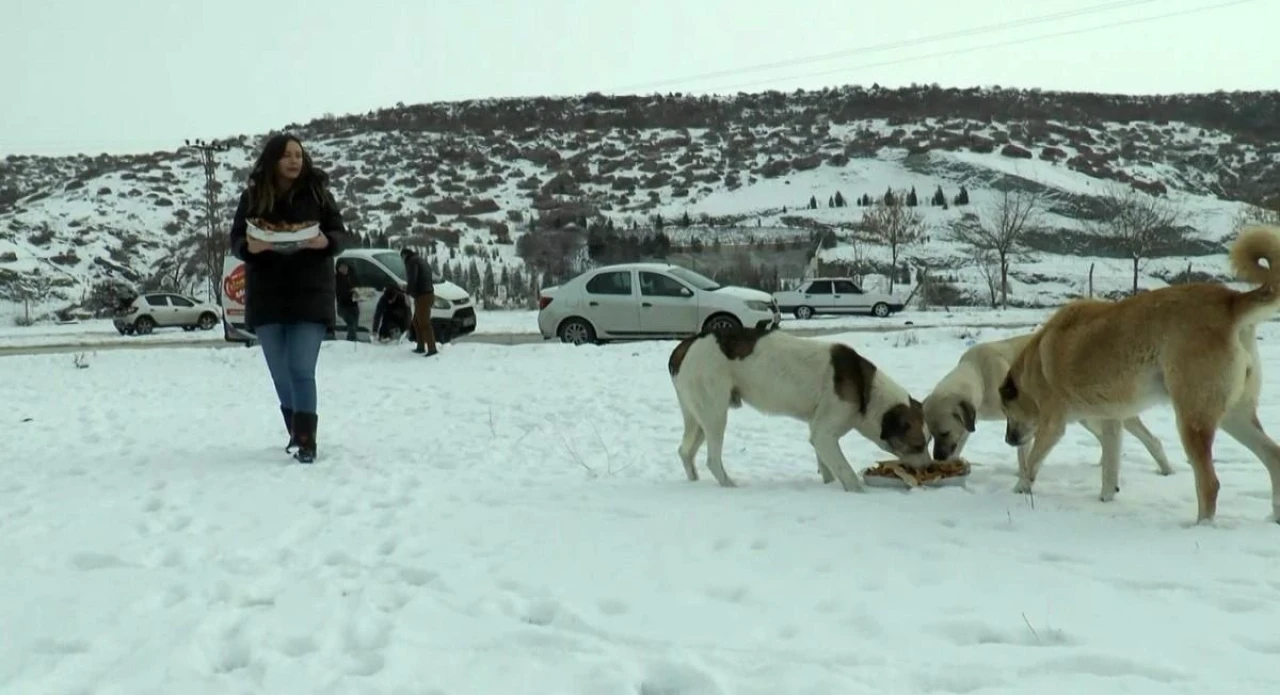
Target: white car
[
  {"x": 452, "y": 315},
  {"x": 152, "y": 310},
  {"x": 633, "y": 301},
  {"x": 836, "y": 296}
]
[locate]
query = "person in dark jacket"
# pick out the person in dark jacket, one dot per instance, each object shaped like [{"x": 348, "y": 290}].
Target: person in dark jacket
[
  {"x": 348, "y": 307},
  {"x": 421, "y": 286},
  {"x": 290, "y": 294},
  {"x": 391, "y": 315}
]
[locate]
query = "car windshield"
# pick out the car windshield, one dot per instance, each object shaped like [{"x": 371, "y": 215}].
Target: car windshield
[
  {"x": 393, "y": 262},
  {"x": 701, "y": 282}
]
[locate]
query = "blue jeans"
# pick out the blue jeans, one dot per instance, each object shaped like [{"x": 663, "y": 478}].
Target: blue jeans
[{"x": 291, "y": 350}]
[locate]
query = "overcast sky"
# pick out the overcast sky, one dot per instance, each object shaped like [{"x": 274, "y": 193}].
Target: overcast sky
[{"x": 140, "y": 75}]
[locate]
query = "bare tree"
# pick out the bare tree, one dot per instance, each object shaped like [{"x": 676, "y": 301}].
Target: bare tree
[
  {"x": 895, "y": 225},
  {"x": 998, "y": 232},
  {"x": 1253, "y": 214},
  {"x": 31, "y": 288},
  {"x": 856, "y": 259},
  {"x": 1136, "y": 223},
  {"x": 992, "y": 269}
]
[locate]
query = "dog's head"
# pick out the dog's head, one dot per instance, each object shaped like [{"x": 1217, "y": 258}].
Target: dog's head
[
  {"x": 950, "y": 420},
  {"x": 1020, "y": 411},
  {"x": 903, "y": 432}
]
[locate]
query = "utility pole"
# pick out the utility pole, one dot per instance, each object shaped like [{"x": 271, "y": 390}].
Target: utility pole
[{"x": 213, "y": 247}]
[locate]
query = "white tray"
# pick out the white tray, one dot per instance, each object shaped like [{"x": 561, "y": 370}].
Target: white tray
[{"x": 282, "y": 237}]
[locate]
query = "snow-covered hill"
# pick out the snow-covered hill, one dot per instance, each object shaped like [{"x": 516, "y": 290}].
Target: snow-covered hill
[{"x": 508, "y": 194}]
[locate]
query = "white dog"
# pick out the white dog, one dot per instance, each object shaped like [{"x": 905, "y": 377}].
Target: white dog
[
  {"x": 970, "y": 392},
  {"x": 828, "y": 385}
]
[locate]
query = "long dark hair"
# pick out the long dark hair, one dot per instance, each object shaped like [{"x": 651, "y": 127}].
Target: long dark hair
[{"x": 262, "y": 178}]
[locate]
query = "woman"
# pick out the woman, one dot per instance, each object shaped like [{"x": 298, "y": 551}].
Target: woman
[{"x": 290, "y": 295}]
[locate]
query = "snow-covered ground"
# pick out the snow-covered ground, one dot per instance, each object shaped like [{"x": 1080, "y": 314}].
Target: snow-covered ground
[
  {"x": 515, "y": 520},
  {"x": 98, "y": 332}
]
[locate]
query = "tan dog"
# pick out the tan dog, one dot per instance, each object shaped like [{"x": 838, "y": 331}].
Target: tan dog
[
  {"x": 969, "y": 393},
  {"x": 1190, "y": 345}
]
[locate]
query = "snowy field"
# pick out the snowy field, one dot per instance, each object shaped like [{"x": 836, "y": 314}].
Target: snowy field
[
  {"x": 97, "y": 332},
  {"x": 514, "y": 520}
]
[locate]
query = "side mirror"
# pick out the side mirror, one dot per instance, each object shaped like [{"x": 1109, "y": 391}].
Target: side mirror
[{"x": 686, "y": 292}]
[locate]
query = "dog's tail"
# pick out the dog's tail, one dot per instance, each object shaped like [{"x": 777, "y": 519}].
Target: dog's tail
[{"x": 1257, "y": 243}]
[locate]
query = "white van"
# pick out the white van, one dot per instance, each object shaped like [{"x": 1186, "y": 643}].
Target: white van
[{"x": 452, "y": 315}]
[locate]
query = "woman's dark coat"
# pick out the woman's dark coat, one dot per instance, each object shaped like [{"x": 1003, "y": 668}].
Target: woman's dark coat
[{"x": 297, "y": 286}]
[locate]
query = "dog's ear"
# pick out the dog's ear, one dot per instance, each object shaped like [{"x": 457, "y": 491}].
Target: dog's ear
[
  {"x": 1008, "y": 389},
  {"x": 893, "y": 423},
  {"x": 968, "y": 415}
]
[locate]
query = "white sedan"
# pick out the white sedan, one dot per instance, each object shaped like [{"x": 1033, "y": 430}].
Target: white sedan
[
  {"x": 635, "y": 301},
  {"x": 836, "y": 296}
]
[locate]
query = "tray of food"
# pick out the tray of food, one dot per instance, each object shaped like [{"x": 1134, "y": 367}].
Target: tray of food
[
  {"x": 897, "y": 474},
  {"x": 282, "y": 232}
]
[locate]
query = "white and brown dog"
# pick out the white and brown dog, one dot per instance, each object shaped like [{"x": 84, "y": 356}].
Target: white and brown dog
[
  {"x": 969, "y": 394},
  {"x": 827, "y": 385},
  {"x": 1193, "y": 346}
]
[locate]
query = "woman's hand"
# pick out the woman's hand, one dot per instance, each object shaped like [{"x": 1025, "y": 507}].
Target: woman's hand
[
  {"x": 257, "y": 245},
  {"x": 317, "y": 242}
]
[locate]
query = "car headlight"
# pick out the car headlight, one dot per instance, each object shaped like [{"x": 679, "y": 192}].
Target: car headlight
[
  {"x": 758, "y": 306},
  {"x": 440, "y": 303}
]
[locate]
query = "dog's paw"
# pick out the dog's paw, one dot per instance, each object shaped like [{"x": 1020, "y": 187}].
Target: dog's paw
[
  {"x": 1023, "y": 487},
  {"x": 1108, "y": 495}
]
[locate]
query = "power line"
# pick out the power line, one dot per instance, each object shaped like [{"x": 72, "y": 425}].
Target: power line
[
  {"x": 972, "y": 49},
  {"x": 1014, "y": 24}
]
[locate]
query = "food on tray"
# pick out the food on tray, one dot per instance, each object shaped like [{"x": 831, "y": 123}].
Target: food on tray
[
  {"x": 266, "y": 226},
  {"x": 913, "y": 477}
]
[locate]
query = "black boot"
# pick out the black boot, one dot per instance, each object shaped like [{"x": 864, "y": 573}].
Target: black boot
[
  {"x": 288, "y": 425},
  {"x": 304, "y": 434}
]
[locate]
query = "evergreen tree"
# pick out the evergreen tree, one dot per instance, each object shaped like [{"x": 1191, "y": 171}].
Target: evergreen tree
[
  {"x": 912, "y": 200},
  {"x": 489, "y": 284}
]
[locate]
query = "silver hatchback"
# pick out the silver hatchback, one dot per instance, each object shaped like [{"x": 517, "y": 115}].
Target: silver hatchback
[{"x": 153, "y": 310}]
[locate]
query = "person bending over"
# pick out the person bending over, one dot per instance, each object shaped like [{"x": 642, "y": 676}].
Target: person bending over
[{"x": 391, "y": 315}]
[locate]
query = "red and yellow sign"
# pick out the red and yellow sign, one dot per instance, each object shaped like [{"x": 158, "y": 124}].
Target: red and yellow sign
[{"x": 233, "y": 285}]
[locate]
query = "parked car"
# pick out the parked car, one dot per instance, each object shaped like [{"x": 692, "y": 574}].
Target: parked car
[
  {"x": 836, "y": 296},
  {"x": 632, "y": 301},
  {"x": 372, "y": 270},
  {"x": 151, "y": 310}
]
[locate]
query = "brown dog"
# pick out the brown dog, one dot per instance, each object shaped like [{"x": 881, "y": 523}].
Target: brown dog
[{"x": 1190, "y": 345}]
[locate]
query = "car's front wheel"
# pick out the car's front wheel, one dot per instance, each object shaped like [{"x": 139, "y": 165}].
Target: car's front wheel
[
  {"x": 880, "y": 310},
  {"x": 576, "y": 332},
  {"x": 207, "y": 321},
  {"x": 722, "y": 322},
  {"x": 804, "y": 312},
  {"x": 144, "y": 325}
]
